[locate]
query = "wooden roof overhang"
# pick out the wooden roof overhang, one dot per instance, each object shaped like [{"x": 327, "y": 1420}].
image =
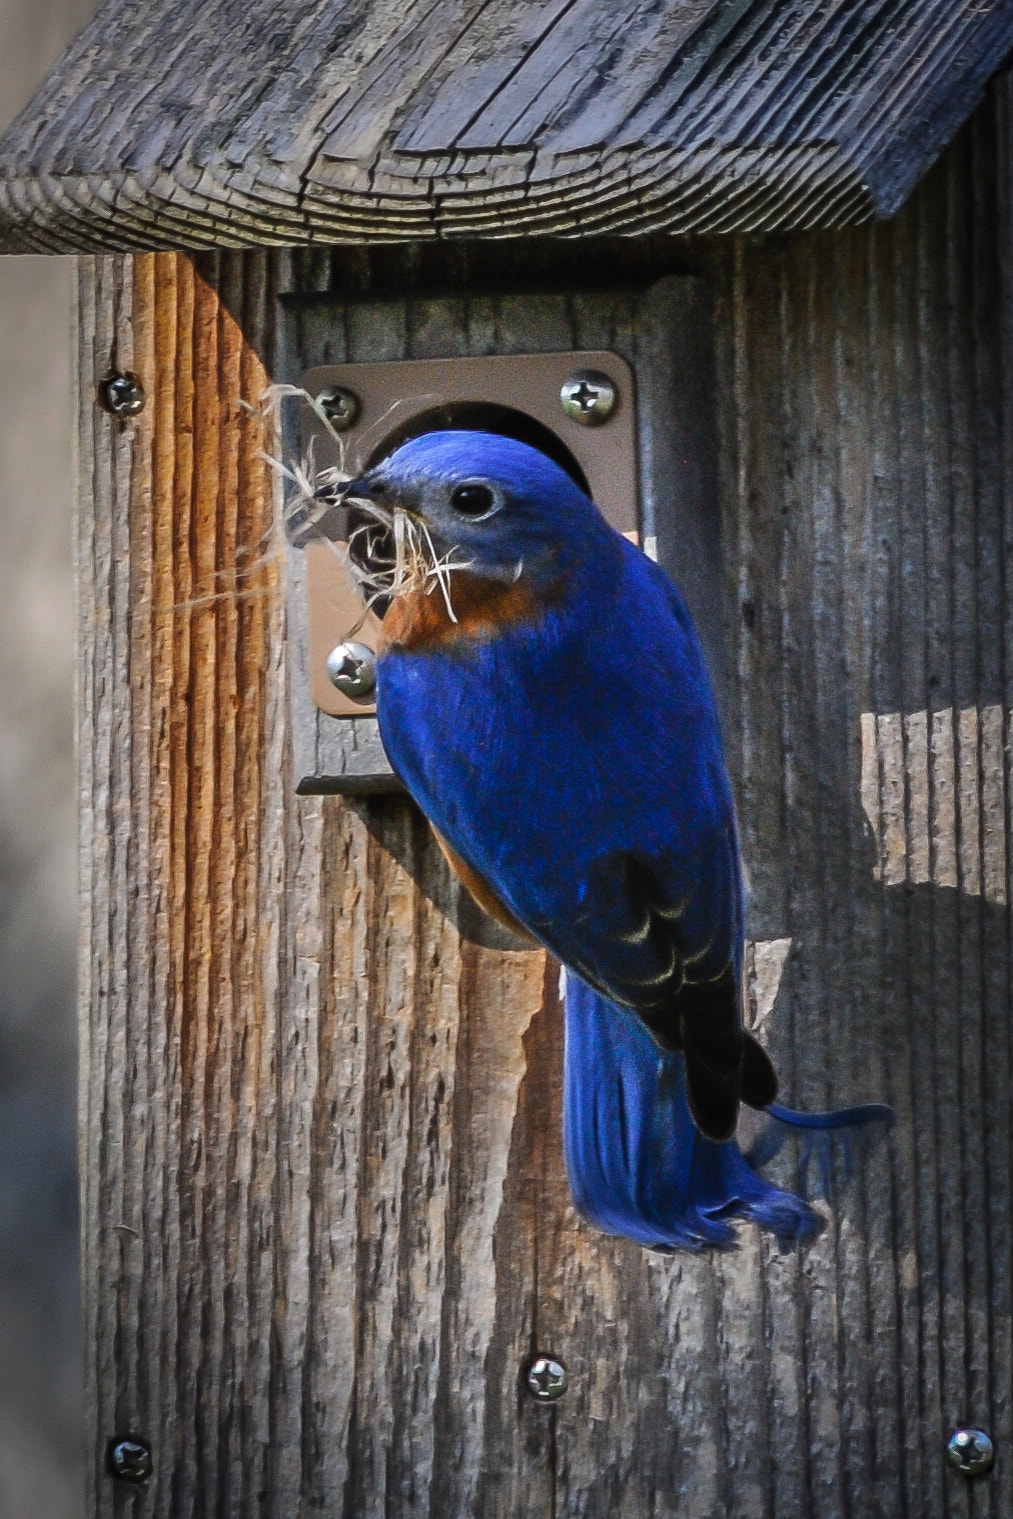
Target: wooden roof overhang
[{"x": 232, "y": 123}]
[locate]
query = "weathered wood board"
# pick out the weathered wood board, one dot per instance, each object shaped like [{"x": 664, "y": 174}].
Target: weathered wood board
[{"x": 325, "y": 1216}]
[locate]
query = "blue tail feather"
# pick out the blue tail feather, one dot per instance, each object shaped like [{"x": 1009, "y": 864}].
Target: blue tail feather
[
  {"x": 826, "y": 1137},
  {"x": 638, "y": 1164}
]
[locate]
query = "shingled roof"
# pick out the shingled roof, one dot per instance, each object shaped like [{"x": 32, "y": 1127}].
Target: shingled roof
[{"x": 200, "y": 123}]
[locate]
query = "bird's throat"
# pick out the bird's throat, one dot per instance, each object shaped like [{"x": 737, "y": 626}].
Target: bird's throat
[{"x": 482, "y": 609}]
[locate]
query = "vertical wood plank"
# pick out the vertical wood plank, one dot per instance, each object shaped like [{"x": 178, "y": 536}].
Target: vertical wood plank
[{"x": 273, "y": 1006}]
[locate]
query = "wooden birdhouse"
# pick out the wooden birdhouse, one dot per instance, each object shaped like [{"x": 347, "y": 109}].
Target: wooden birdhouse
[{"x": 325, "y": 1218}]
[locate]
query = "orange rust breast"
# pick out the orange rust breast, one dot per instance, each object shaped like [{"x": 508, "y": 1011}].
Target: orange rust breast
[
  {"x": 419, "y": 619},
  {"x": 481, "y": 890}
]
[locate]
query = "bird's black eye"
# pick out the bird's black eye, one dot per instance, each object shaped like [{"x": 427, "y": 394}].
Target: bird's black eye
[{"x": 472, "y": 499}]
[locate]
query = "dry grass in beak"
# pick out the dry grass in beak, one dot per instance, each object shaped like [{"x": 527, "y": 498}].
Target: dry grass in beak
[{"x": 412, "y": 564}]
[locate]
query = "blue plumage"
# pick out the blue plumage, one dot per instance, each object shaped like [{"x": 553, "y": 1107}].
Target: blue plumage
[
  {"x": 638, "y": 1164},
  {"x": 561, "y": 736}
]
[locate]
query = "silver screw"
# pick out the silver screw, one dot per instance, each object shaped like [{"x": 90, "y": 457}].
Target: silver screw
[
  {"x": 971, "y": 1451},
  {"x": 588, "y": 397},
  {"x": 545, "y": 1379},
  {"x": 129, "y": 1460},
  {"x": 351, "y": 669},
  {"x": 122, "y": 395},
  {"x": 339, "y": 405}
]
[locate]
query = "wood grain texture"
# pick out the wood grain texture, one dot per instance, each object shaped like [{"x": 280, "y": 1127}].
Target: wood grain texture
[
  {"x": 273, "y": 1009},
  {"x": 241, "y": 125},
  {"x": 325, "y": 1217}
]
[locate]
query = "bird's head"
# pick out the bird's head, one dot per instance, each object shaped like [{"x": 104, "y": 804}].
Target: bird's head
[{"x": 496, "y": 505}]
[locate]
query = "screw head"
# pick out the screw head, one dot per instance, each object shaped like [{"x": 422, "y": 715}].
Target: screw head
[
  {"x": 122, "y": 395},
  {"x": 588, "y": 397},
  {"x": 129, "y": 1460},
  {"x": 339, "y": 405},
  {"x": 971, "y": 1451},
  {"x": 545, "y": 1378},
  {"x": 351, "y": 669}
]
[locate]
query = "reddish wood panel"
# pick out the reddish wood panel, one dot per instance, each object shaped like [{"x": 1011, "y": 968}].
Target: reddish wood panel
[{"x": 292, "y": 1293}]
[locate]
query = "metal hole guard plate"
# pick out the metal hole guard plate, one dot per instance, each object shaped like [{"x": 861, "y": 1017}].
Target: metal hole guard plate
[
  {"x": 390, "y": 397},
  {"x": 652, "y": 460}
]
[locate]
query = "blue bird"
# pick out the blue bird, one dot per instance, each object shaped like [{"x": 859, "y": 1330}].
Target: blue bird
[{"x": 584, "y": 801}]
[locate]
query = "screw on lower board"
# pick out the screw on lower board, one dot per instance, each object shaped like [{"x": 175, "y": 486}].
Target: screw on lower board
[
  {"x": 588, "y": 397},
  {"x": 545, "y": 1378},
  {"x": 351, "y": 669},
  {"x": 122, "y": 395},
  {"x": 971, "y": 1451},
  {"x": 129, "y": 1459}
]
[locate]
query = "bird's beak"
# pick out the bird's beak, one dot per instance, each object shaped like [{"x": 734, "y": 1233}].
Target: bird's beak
[
  {"x": 359, "y": 488},
  {"x": 375, "y": 489},
  {"x": 367, "y": 488}
]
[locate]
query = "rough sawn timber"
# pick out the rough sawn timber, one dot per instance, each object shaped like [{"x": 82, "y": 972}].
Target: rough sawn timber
[
  {"x": 285, "y": 1277},
  {"x": 324, "y": 1210},
  {"x": 242, "y": 123}
]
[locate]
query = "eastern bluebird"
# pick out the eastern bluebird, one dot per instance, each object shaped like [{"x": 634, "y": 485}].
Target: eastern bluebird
[{"x": 549, "y": 709}]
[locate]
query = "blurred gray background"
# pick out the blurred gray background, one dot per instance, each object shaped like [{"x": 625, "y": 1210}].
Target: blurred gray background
[{"x": 40, "y": 1353}]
